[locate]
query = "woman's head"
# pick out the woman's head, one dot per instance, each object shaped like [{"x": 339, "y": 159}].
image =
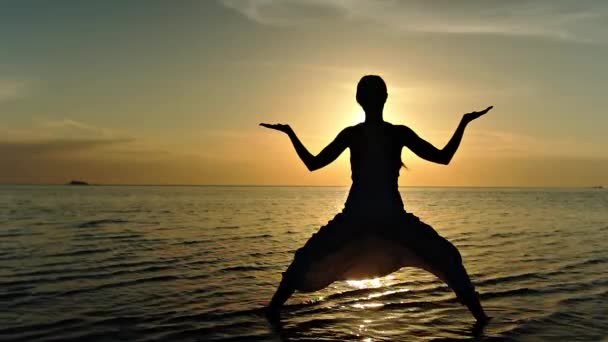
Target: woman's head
[{"x": 371, "y": 93}]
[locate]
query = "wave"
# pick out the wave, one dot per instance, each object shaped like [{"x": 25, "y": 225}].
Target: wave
[
  {"x": 511, "y": 278},
  {"x": 245, "y": 268},
  {"x": 585, "y": 262},
  {"x": 227, "y": 227},
  {"x": 79, "y": 252},
  {"x": 191, "y": 242},
  {"x": 101, "y": 222},
  {"x": 110, "y": 237},
  {"x": 18, "y": 232},
  {"x": 164, "y": 278},
  {"x": 31, "y": 331}
]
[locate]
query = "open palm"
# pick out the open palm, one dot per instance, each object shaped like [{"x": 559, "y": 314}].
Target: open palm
[
  {"x": 279, "y": 127},
  {"x": 474, "y": 115}
]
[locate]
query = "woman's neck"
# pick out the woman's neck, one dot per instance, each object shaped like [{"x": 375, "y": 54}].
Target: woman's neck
[{"x": 373, "y": 117}]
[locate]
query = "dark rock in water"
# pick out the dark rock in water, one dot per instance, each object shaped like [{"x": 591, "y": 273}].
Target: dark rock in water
[{"x": 77, "y": 182}]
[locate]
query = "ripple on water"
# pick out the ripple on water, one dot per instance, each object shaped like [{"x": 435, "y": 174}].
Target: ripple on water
[{"x": 101, "y": 222}]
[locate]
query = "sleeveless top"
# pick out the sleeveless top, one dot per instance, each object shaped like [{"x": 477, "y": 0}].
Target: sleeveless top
[{"x": 375, "y": 159}]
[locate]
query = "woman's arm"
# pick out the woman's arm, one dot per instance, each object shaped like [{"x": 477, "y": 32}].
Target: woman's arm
[
  {"x": 425, "y": 150},
  {"x": 327, "y": 155}
]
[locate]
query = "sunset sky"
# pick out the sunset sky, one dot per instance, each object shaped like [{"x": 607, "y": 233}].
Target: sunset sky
[{"x": 171, "y": 92}]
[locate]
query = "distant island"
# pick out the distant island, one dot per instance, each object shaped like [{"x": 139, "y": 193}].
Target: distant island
[{"x": 77, "y": 182}]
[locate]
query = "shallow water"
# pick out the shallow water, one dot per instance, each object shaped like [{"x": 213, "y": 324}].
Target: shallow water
[{"x": 196, "y": 263}]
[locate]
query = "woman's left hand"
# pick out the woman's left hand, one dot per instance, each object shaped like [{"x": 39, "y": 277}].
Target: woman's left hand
[
  {"x": 474, "y": 115},
  {"x": 279, "y": 127}
]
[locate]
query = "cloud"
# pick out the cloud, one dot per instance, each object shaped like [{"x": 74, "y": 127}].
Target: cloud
[
  {"x": 29, "y": 149},
  {"x": 581, "y": 21},
  {"x": 60, "y": 129},
  {"x": 113, "y": 161},
  {"x": 67, "y": 128},
  {"x": 65, "y": 138},
  {"x": 52, "y": 152},
  {"x": 11, "y": 89}
]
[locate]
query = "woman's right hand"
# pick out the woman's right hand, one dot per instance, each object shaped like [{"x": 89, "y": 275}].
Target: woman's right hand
[
  {"x": 474, "y": 115},
  {"x": 279, "y": 127}
]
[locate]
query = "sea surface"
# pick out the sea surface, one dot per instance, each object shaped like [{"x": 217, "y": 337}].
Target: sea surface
[{"x": 118, "y": 263}]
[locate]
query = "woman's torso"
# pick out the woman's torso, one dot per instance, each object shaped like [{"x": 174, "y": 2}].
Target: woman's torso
[{"x": 375, "y": 158}]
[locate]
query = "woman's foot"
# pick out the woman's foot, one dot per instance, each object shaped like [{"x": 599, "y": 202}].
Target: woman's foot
[{"x": 272, "y": 313}]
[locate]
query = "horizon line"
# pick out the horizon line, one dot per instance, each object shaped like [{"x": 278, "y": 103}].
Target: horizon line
[{"x": 303, "y": 185}]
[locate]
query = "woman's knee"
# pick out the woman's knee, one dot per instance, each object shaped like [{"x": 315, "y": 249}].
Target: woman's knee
[{"x": 452, "y": 251}]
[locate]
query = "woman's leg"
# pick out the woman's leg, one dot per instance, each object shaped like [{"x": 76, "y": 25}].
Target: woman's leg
[
  {"x": 443, "y": 259},
  {"x": 457, "y": 278},
  {"x": 459, "y": 281},
  {"x": 282, "y": 294},
  {"x": 294, "y": 278}
]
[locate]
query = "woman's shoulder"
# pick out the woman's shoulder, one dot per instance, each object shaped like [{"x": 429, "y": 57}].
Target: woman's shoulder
[
  {"x": 352, "y": 129},
  {"x": 399, "y": 128},
  {"x": 348, "y": 135},
  {"x": 394, "y": 126}
]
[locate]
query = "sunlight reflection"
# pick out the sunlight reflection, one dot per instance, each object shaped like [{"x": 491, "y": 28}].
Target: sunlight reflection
[
  {"x": 380, "y": 294},
  {"x": 366, "y": 283},
  {"x": 368, "y": 305}
]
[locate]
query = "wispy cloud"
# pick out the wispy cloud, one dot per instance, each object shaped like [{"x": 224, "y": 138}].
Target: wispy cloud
[
  {"x": 106, "y": 160},
  {"x": 61, "y": 130},
  {"x": 72, "y": 129},
  {"x": 73, "y": 139},
  {"x": 581, "y": 21},
  {"x": 57, "y": 147},
  {"x": 11, "y": 89},
  {"x": 65, "y": 137}
]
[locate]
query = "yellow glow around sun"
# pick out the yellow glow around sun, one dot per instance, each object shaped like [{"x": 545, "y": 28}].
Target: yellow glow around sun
[
  {"x": 359, "y": 115},
  {"x": 352, "y": 116}
]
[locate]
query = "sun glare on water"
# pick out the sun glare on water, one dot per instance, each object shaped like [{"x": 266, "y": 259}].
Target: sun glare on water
[
  {"x": 368, "y": 283},
  {"x": 365, "y": 283}
]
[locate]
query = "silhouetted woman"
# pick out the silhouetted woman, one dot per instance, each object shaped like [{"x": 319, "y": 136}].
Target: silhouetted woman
[{"x": 374, "y": 235}]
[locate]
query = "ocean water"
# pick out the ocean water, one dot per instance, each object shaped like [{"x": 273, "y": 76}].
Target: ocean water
[{"x": 106, "y": 263}]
